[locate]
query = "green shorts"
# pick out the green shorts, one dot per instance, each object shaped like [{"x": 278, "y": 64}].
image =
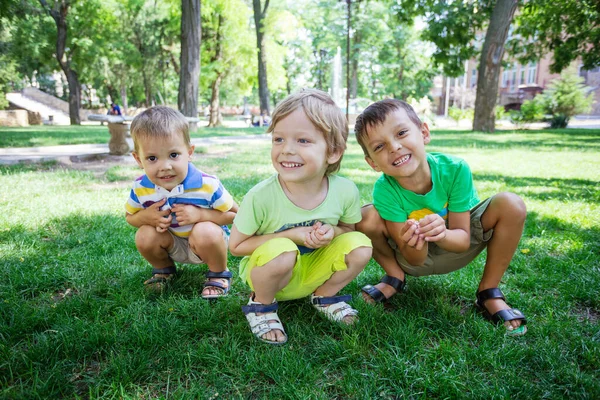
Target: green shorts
[
  {"x": 440, "y": 261},
  {"x": 311, "y": 269}
]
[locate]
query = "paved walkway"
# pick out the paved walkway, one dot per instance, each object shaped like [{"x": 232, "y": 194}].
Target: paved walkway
[
  {"x": 80, "y": 152},
  {"x": 14, "y": 155}
]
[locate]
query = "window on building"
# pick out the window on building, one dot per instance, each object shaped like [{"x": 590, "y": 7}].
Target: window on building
[
  {"x": 513, "y": 80},
  {"x": 505, "y": 75},
  {"x": 531, "y": 72},
  {"x": 474, "y": 78}
]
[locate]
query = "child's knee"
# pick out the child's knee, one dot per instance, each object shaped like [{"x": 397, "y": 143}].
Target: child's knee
[
  {"x": 280, "y": 265},
  {"x": 147, "y": 238},
  {"x": 206, "y": 235},
  {"x": 359, "y": 257},
  {"x": 513, "y": 204},
  {"x": 371, "y": 222}
]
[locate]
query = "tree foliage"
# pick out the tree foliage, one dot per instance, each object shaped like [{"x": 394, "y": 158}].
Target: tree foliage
[{"x": 568, "y": 29}]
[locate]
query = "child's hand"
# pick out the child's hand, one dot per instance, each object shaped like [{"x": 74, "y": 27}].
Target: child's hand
[
  {"x": 410, "y": 234},
  {"x": 432, "y": 228},
  {"x": 188, "y": 214},
  {"x": 298, "y": 234},
  {"x": 320, "y": 236},
  {"x": 161, "y": 220}
]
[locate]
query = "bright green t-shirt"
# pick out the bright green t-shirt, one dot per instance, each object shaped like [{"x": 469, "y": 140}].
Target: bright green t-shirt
[
  {"x": 266, "y": 209},
  {"x": 453, "y": 190}
]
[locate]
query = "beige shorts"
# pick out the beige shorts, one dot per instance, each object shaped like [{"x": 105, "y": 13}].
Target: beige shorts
[
  {"x": 440, "y": 261},
  {"x": 182, "y": 253}
]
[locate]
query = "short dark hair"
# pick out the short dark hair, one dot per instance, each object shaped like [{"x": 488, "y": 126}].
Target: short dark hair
[
  {"x": 159, "y": 122},
  {"x": 376, "y": 114}
]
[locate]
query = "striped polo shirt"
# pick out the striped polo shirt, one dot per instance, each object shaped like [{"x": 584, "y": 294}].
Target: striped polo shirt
[{"x": 198, "y": 189}]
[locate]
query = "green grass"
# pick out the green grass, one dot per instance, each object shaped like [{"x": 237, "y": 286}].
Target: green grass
[
  {"x": 34, "y": 136},
  {"x": 75, "y": 321}
]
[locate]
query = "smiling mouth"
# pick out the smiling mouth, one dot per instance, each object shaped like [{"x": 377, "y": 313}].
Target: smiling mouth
[
  {"x": 167, "y": 177},
  {"x": 290, "y": 165},
  {"x": 401, "y": 160}
]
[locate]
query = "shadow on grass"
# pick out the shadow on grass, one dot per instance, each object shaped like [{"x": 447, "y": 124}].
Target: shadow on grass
[
  {"x": 574, "y": 139},
  {"x": 547, "y": 188}
]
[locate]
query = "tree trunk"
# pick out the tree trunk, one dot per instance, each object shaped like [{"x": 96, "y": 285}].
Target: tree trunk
[
  {"x": 59, "y": 14},
  {"x": 124, "y": 99},
  {"x": 147, "y": 88},
  {"x": 216, "y": 119},
  {"x": 490, "y": 63},
  {"x": 354, "y": 66},
  {"x": 263, "y": 87},
  {"x": 191, "y": 31}
]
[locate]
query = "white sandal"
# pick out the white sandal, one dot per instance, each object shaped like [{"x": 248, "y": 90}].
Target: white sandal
[
  {"x": 334, "y": 308},
  {"x": 261, "y": 324}
]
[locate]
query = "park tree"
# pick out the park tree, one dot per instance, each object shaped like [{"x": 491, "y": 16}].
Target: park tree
[
  {"x": 455, "y": 28},
  {"x": 260, "y": 13},
  {"x": 490, "y": 64},
  {"x": 59, "y": 11},
  {"x": 191, "y": 32},
  {"x": 227, "y": 52}
]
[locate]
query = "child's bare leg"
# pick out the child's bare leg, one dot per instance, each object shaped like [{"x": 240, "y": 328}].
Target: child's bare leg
[
  {"x": 154, "y": 247},
  {"x": 207, "y": 242},
  {"x": 269, "y": 279},
  {"x": 505, "y": 214},
  {"x": 355, "y": 261},
  {"x": 374, "y": 227}
]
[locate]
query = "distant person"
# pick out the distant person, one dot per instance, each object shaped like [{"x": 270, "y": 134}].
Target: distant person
[
  {"x": 426, "y": 216},
  {"x": 181, "y": 212},
  {"x": 114, "y": 109}
]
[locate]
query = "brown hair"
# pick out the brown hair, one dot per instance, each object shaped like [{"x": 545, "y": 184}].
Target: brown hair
[
  {"x": 376, "y": 114},
  {"x": 324, "y": 114},
  {"x": 159, "y": 122}
]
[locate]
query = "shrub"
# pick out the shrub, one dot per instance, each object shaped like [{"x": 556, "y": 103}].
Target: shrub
[
  {"x": 566, "y": 97},
  {"x": 531, "y": 111},
  {"x": 458, "y": 114},
  {"x": 500, "y": 113}
]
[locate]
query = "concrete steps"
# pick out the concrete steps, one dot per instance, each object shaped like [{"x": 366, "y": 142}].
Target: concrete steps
[{"x": 59, "y": 117}]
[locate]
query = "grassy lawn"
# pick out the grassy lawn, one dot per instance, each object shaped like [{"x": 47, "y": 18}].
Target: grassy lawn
[
  {"x": 75, "y": 321},
  {"x": 33, "y": 136}
]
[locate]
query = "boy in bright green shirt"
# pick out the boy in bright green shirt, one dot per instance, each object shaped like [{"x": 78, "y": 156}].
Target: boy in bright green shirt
[{"x": 426, "y": 217}]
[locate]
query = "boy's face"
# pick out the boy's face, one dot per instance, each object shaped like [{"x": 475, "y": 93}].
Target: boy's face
[
  {"x": 165, "y": 161},
  {"x": 397, "y": 147},
  {"x": 299, "y": 150}
]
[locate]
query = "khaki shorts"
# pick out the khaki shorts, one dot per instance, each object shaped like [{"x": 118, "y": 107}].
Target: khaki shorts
[
  {"x": 440, "y": 261},
  {"x": 182, "y": 253}
]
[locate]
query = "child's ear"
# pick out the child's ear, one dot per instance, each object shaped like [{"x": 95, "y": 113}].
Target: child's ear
[
  {"x": 334, "y": 157},
  {"x": 372, "y": 164},
  {"x": 426, "y": 133},
  {"x": 191, "y": 152},
  {"x": 137, "y": 159}
]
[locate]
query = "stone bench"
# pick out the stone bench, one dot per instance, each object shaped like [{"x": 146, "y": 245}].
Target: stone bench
[{"x": 118, "y": 127}]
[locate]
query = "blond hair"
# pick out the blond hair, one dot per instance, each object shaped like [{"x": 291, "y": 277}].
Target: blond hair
[
  {"x": 159, "y": 122},
  {"x": 324, "y": 114}
]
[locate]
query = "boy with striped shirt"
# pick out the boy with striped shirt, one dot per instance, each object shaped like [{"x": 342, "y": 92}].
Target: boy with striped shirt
[{"x": 181, "y": 212}]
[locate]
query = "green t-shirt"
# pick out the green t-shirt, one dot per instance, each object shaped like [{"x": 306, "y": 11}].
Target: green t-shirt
[
  {"x": 452, "y": 190},
  {"x": 266, "y": 209}
]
